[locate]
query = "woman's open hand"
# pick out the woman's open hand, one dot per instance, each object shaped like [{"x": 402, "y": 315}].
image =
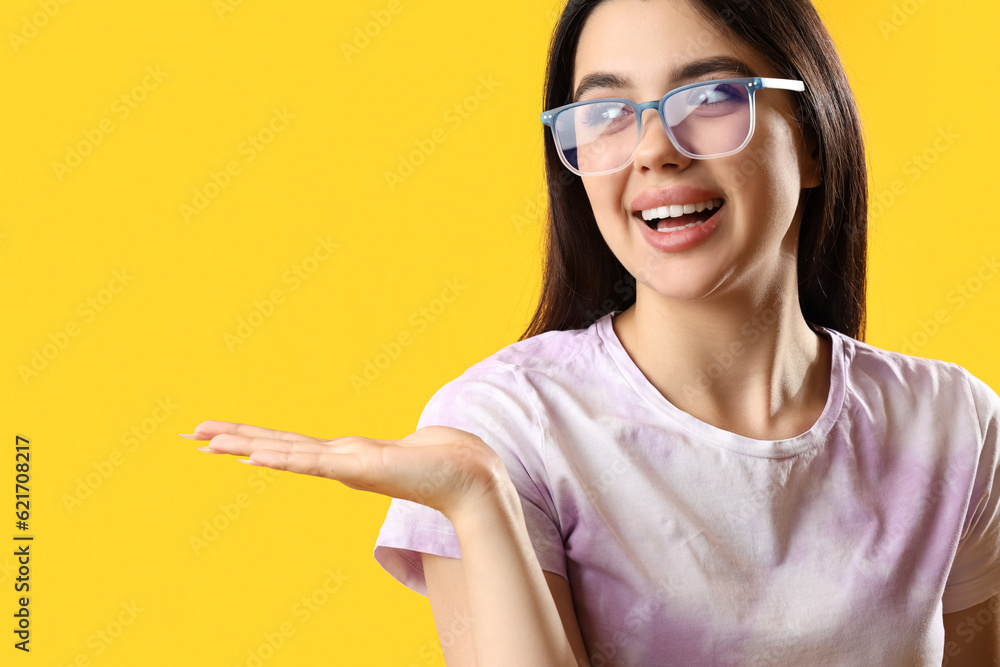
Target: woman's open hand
[{"x": 436, "y": 466}]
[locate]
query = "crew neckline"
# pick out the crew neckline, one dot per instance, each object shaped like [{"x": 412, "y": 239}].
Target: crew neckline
[{"x": 714, "y": 435}]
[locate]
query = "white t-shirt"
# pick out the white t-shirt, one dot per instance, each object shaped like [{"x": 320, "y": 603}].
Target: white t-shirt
[{"x": 687, "y": 544}]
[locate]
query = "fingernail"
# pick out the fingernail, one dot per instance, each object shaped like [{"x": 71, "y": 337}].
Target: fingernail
[
  {"x": 189, "y": 436},
  {"x": 248, "y": 462},
  {"x": 207, "y": 450}
]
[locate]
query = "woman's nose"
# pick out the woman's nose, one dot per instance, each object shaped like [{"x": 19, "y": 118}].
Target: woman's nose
[{"x": 655, "y": 149}]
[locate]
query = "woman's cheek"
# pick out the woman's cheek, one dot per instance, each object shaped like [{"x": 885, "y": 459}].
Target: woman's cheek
[{"x": 607, "y": 207}]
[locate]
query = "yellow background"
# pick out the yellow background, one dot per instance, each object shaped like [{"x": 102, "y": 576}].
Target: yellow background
[{"x": 162, "y": 336}]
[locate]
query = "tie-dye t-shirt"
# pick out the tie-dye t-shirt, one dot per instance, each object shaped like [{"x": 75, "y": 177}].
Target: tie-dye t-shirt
[{"x": 687, "y": 544}]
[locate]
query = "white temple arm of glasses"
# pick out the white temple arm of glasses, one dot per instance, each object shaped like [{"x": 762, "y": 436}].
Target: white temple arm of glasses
[{"x": 784, "y": 84}]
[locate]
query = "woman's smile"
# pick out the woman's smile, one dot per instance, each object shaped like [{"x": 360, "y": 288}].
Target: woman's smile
[
  {"x": 677, "y": 218},
  {"x": 674, "y": 236}
]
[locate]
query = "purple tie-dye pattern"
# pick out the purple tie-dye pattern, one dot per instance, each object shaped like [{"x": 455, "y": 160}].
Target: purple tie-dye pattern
[{"x": 687, "y": 544}]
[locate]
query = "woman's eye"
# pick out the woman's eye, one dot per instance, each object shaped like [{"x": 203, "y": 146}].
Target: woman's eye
[
  {"x": 605, "y": 114},
  {"x": 712, "y": 95}
]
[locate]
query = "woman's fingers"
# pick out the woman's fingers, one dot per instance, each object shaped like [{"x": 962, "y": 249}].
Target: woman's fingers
[
  {"x": 436, "y": 466},
  {"x": 354, "y": 461},
  {"x": 335, "y": 459},
  {"x": 346, "y": 467},
  {"x": 211, "y": 428},
  {"x": 426, "y": 475},
  {"x": 241, "y": 445}
]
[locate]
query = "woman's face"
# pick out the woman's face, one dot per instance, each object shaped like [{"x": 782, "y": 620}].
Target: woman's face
[{"x": 752, "y": 238}]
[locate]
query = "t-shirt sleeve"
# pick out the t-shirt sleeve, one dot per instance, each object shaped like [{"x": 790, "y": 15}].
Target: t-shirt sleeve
[
  {"x": 975, "y": 571},
  {"x": 499, "y": 406}
]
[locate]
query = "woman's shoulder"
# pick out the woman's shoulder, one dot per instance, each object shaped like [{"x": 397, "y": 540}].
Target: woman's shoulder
[
  {"x": 550, "y": 353},
  {"x": 514, "y": 378},
  {"x": 909, "y": 373}
]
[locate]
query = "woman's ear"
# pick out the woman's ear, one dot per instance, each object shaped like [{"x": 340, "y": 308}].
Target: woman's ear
[{"x": 811, "y": 164}]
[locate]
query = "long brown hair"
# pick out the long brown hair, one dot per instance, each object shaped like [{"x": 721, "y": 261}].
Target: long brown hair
[{"x": 583, "y": 280}]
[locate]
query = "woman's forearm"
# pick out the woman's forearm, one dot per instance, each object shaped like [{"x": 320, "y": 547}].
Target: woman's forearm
[{"x": 514, "y": 618}]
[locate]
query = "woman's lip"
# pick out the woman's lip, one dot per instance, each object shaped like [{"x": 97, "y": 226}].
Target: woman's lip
[
  {"x": 678, "y": 194},
  {"x": 681, "y": 240}
]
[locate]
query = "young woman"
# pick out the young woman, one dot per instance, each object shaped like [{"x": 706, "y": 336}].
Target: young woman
[{"x": 691, "y": 457}]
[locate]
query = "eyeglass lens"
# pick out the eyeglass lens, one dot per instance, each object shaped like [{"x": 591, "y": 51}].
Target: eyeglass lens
[{"x": 705, "y": 120}]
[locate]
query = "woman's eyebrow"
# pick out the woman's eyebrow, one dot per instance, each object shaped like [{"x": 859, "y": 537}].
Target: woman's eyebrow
[
  {"x": 601, "y": 80},
  {"x": 714, "y": 65},
  {"x": 692, "y": 70}
]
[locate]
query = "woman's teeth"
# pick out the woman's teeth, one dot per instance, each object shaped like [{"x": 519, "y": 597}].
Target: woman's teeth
[
  {"x": 677, "y": 229},
  {"x": 677, "y": 210}
]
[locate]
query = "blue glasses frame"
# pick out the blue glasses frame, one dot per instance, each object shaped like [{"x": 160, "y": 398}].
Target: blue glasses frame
[{"x": 752, "y": 84}]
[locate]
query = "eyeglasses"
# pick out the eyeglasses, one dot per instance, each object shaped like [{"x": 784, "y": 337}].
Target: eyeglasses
[{"x": 703, "y": 120}]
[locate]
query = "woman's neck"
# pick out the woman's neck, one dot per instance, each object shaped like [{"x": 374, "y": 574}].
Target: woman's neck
[{"x": 749, "y": 365}]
